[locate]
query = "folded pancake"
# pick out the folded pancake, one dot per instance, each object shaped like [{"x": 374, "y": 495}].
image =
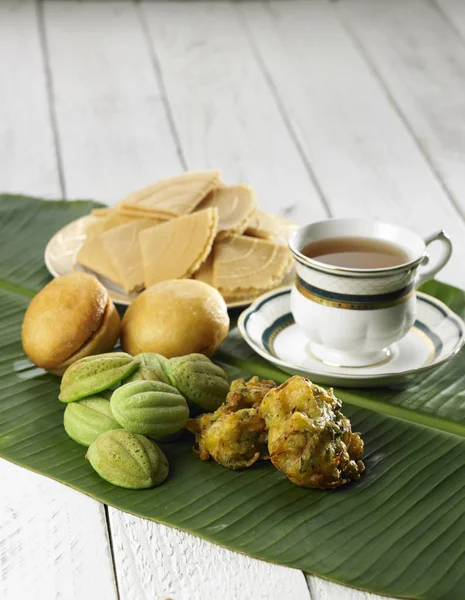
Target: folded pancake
[
  {"x": 235, "y": 203},
  {"x": 263, "y": 225},
  {"x": 121, "y": 244},
  {"x": 175, "y": 196},
  {"x": 113, "y": 219},
  {"x": 115, "y": 254},
  {"x": 205, "y": 271},
  {"x": 140, "y": 214},
  {"x": 285, "y": 227},
  {"x": 243, "y": 264},
  {"x": 101, "y": 212},
  {"x": 248, "y": 296},
  {"x": 245, "y": 298},
  {"x": 177, "y": 248},
  {"x": 267, "y": 226},
  {"x": 92, "y": 255}
]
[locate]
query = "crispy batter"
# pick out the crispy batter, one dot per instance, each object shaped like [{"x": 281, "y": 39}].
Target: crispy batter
[
  {"x": 246, "y": 394},
  {"x": 234, "y": 435},
  {"x": 234, "y": 439},
  {"x": 309, "y": 439}
]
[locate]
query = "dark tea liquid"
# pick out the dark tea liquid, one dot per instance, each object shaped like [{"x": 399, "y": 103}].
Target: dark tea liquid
[{"x": 356, "y": 253}]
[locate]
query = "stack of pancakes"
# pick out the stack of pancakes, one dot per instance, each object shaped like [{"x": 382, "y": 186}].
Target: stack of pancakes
[{"x": 192, "y": 225}]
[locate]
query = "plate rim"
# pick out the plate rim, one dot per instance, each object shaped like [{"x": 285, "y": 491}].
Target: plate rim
[{"x": 346, "y": 376}]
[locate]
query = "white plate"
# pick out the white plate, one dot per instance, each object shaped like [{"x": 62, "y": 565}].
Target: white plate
[
  {"x": 60, "y": 259},
  {"x": 269, "y": 328}
]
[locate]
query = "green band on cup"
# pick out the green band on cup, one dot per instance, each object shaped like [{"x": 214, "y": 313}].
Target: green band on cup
[{"x": 354, "y": 301}]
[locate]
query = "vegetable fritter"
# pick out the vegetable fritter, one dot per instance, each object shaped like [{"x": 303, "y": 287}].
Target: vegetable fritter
[
  {"x": 248, "y": 394},
  {"x": 309, "y": 439},
  {"x": 234, "y": 439},
  {"x": 234, "y": 435}
]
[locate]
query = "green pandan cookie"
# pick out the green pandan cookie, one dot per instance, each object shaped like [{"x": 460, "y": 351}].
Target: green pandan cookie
[
  {"x": 86, "y": 419},
  {"x": 93, "y": 374},
  {"x": 201, "y": 382},
  {"x": 151, "y": 408},
  {"x": 128, "y": 460},
  {"x": 150, "y": 368}
]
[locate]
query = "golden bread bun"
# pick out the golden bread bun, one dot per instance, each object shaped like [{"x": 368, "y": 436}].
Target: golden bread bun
[
  {"x": 102, "y": 341},
  {"x": 175, "y": 318},
  {"x": 71, "y": 317}
]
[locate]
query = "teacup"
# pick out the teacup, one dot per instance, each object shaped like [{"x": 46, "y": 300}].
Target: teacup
[{"x": 353, "y": 316}]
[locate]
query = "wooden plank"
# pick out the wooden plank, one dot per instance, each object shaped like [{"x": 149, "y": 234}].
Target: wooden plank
[
  {"x": 160, "y": 562},
  {"x": 45, "y": 550},
  {"x": 365, "y": 158},
  {"x": 454, "y": 11},
  {"x": 111, "y": 119},
  {"x": 222, "y": 108},
  {"x": 421, "y": 61},
  {"x": 148, "y": 557},
  {"x": 27, "y": 155},
  {"x": 328, "y": 590},
  {"x": 53, "y": 540}
]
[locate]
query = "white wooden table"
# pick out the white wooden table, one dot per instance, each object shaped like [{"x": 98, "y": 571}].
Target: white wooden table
[{"x": 346, "y": 108}]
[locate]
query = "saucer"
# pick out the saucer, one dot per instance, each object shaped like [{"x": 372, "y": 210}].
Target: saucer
[
  {"x": 269, "y": 328},
  {"x": 60, "y": 259}
]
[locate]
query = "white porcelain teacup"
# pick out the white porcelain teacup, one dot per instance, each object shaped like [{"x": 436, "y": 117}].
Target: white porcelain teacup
[{"x": 352, "y": 316}]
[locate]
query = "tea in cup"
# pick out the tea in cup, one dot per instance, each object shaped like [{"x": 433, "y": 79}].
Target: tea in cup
[{"x": 354, "y": 293}]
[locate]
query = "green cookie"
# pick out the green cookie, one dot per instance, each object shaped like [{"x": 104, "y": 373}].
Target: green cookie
[{"x": 128, "y": 460}]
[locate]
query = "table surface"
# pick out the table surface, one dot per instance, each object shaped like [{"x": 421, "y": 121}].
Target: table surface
[{"x": 349, "y": 108}]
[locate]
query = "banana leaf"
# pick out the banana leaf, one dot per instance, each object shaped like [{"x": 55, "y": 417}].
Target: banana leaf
[{"x": 398, "y": 531}]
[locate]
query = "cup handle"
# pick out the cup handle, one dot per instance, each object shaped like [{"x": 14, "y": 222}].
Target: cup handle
[{"x": 446, "y": 251}]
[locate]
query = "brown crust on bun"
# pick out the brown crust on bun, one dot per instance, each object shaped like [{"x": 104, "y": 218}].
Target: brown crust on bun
[
  {"x": 102, "y": 341},
  {"x": 175, "y": 318},
  {"x": 62, "y": 318}
]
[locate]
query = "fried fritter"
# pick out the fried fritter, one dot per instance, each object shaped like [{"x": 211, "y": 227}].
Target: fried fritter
[
  {"x": 247, "y": 394},
  {"x": 309, "y": 439},
  {"x": 234, "y": 435},
  {"x": 234, "y": 439}
]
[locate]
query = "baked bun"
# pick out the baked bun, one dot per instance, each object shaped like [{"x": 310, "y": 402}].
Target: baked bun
[
  {"x": 71, "y": 317},
  {"x": 175, "y": 318}
]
